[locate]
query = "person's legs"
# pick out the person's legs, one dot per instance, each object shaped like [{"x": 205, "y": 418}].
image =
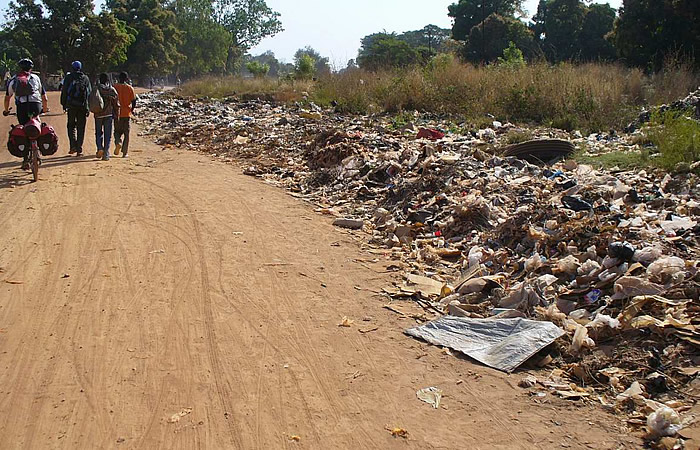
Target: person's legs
[
  {"x": 125, "y": 129},
  {"x": 99, "y": 135},
  {"x": 71, "y": 130},
  {"x": 22, "y": 113},
  {"x": 81, "y": 120},
  {"x": 107, "y": 123},
  {"x": 118, "y": 132}
]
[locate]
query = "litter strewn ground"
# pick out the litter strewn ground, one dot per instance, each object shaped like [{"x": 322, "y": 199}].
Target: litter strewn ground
[{"x": 608, "y": 258}]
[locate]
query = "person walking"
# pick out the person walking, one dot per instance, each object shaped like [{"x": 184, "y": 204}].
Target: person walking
[
  {"x": 104, "y": 116},
  {"x": 74, "y": 99},
  {"x": 127, "y": 104}
]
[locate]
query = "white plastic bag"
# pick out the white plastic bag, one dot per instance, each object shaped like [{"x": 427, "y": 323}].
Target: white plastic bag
[{"x": 664, "y": 422}]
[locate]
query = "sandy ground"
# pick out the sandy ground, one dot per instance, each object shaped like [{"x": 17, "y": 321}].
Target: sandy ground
[{"x": 167, "y": 301}]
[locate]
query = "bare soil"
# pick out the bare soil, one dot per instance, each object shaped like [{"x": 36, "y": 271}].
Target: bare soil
[{"x": 168, "y": 301}]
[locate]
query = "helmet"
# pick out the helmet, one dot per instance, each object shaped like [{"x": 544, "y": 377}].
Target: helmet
[
  {"x": 76, "y": 65},
  {"x": 25, "y": 64}
]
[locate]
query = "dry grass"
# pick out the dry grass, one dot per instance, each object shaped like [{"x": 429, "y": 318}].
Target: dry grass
[
  {"x": 590, "y": 97},
  {"x": 230, "y": 86}
]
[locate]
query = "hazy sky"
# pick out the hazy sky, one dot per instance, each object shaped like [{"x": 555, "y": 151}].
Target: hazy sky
[{"x": 335, "y": 28}]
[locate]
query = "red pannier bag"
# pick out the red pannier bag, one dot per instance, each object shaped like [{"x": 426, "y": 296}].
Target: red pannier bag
[
  {"x": 17, "y": 143},
  {"x": 48, "y": 140}
]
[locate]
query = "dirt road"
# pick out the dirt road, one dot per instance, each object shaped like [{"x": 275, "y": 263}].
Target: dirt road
[{"x": 167, "y": 301}]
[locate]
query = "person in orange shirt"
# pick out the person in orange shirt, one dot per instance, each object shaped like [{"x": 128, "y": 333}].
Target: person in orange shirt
[{"x": 127, "y": 100}]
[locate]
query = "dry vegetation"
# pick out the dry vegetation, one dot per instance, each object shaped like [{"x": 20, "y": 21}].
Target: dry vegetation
[{"x": 590, "y": 97}]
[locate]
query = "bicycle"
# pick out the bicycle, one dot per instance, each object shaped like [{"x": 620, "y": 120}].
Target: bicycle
[{"x": 32, "y": 130}]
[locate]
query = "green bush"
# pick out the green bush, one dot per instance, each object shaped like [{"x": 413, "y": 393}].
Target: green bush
[{"x": 677, "y": 137}]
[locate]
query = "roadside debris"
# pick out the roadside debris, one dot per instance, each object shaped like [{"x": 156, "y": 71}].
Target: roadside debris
[
  {"x": 664, "y": 422},
  {"x": 488, "y": 229},
  {"x": 503, "y": 344},
  {"x": 398, "y": 432},
  {"x": 430, "y": 395}
]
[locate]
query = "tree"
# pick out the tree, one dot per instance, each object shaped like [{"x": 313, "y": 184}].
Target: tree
[
  {"x": 257, "y": 69},
  {"x": 649, "y": 30},
  {"x": 11, "y": 51},
  {"x": 304, "y": 67},
  {"x": 248, "y": 22},
  {"x": 268, "y": 58},
  {"x": 155, "y": 50},
  {"x": 431, "y": 37},
  {"x": 55, "y": 32},
  {"x": 103, "y": 42},
  {"x": 205, "y": 43},
  {"x": 512, "y": 57},
  {"x": 561, "y": 22},
  {"x": 487, "y": 41},
  {"x": 597, "y": 24},
  {"x": 469, "y": 13},
  {"x": 321, "y": 66},
  {"x": 386, "y": 51}
]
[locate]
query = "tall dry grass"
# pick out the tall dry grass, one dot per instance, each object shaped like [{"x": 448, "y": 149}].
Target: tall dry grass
[
  {"x": 230, "y": 86},
  {"x": 589, "y": 97}
]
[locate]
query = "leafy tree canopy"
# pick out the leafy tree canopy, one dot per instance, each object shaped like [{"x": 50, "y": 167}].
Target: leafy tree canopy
[
  {"x": 155, "y": 50},
  {"x": 248, "y": 22},
  {"x": 469, "y": 13},
  {"x": 205, "y": 42},
  {"x": 647, "y": 31},
  {"x": 321, "y": 65},
  {"x": 384, "y": 50}
]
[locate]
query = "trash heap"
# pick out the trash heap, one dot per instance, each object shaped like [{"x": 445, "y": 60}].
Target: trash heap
[{"x": 497, "y": 242}]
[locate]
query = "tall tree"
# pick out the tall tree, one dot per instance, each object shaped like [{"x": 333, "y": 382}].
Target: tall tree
[
  {"x": 649, "y": 30},
  {"x": 248, "y": 22},
  {"x": 469, "y": 13},
  {"x": 431, "y": 37},
  {"x": 597, "y": 25},
  {"x": 487, "y": 41},
  {"x": 103, "y": 42},
  {"x": 561, "y": 21},
  {"x": 382, "y": 51},
  {"x": 205, "y": 42},
  {"x": 57, "y": 31},
  {"x": 155, "y": 51}
]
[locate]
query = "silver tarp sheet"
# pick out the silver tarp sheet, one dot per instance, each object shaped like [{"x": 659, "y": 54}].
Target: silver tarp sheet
[{"x": 503, "y": 344}]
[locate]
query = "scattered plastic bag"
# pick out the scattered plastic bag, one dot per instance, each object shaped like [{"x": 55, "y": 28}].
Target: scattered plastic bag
[
  {"x": 670, "y": 269},
  {"x": 664, "y": 422},
  {"x": 581, "y": 340},
  {"x": 430, "y": 395},
  {"x": 601, "y": 320},
  {"x": 568, "y": 265}
]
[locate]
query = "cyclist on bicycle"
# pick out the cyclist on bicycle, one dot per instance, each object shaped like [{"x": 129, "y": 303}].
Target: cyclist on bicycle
[{"x": 30, "y": 96}]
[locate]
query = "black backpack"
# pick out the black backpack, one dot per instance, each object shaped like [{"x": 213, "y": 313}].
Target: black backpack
[{"x": 76, "y": 94}]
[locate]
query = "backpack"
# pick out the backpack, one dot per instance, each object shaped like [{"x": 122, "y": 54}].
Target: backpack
[
  {"x": 96, "y": 102},
  {"x": 77, "y": 92},
  {"x": 23, "y": 88}
]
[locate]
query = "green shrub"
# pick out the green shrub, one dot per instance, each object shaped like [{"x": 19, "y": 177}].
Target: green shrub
[{"x": 677, "y": 137}]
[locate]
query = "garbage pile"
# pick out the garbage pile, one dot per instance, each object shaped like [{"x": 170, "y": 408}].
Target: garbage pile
[
  {"x": 495, "y": 242},
  {"x": 690, "y": 104}
]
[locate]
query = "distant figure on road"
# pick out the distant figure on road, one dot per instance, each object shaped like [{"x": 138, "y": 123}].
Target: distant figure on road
[
  {"x": 127, "y": 102},
  {"x": 104, "y": 118},
  {"x": 74, "y": 99}
]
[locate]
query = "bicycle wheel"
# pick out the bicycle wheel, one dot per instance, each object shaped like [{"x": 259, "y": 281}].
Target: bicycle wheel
[{"x": 35, "y": 164}]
